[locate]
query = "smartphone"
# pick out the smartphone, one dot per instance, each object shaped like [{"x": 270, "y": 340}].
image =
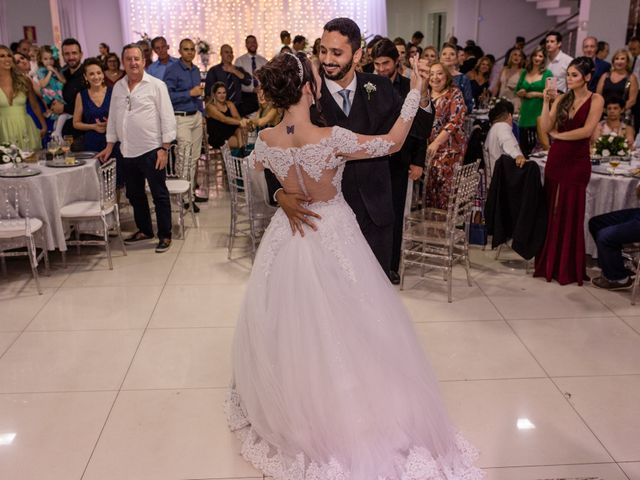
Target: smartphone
[{"x": 552, "y": 85}]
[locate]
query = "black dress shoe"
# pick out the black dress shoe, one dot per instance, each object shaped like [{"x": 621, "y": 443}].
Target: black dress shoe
[
  {"x": 394, "y": 278},
  {"x": 198, "y": 199},
  {"x": 196, "y": 208}
]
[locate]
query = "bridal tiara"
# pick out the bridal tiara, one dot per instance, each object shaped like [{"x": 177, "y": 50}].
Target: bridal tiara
[{"x": 300, "y": 69}]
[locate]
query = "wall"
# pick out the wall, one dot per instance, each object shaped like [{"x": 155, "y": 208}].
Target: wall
[
  {"x": 102, "y": 23},
  {"x": 608, "y": 21},
  {"x": 406, "y": 16},
  {"x": 29, "y": 12}
]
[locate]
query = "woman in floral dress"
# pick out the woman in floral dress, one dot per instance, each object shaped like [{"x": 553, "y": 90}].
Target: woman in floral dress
[{"x": 448, "y": 140}]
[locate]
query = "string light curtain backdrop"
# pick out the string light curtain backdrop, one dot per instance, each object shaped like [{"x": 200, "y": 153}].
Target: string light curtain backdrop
[{"x": 230, "y": 21}]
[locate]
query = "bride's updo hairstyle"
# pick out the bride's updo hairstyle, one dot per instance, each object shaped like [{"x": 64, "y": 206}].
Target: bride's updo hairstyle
[{"x": 282, "y": 79}]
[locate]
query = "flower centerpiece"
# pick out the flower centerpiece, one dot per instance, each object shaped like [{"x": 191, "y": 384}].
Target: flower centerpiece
[
  {"x": 10, "y": 153},
  {"x": 612, "y": 145},
  {"x": 203, "y": 48}
]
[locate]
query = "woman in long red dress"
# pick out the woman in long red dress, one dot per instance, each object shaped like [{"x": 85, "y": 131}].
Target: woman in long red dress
[{"x": 570, "y": 122}]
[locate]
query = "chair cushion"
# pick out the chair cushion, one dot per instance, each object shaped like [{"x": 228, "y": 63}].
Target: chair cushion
[
  {"x": 15, "y": 227},
  {"x": 83, "y": 209},
  {"x": 175, "y": 185}
]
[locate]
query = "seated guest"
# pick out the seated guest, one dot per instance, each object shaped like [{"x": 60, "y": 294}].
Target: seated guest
[
  {"x": 161, "y": 49},
  {"x": 613, "y": 124},
  {"x": 620, "y": 82},
  {"x": 223, "y": 120},
  {"x": 611, "y": 232},
  {"x": 603, "y": 50},
  {"x": 430, "y": 54},
  {"x": 479, "y": 77},
  {"x": 231, "y": 76},
  {"x": 500, "y": 139},
  {"x": 112, "y": 72},
  {"x": 92, "y": 106},
  {"x": 509, "y": 76},
  {"x": 267, "y": 116},
  {"x": 449, "y": 58},
  {"x": 589, "y": 49},
  {"x": 15, "y": 124},
  {"x": 529, "y": 88},
  {"x": 104, "y": 51},
  {"x": 51, "y": 87},
  {"x": 447, "y": 140}
]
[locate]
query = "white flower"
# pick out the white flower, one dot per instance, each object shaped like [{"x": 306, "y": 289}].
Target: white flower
[
  {"x": 606, "y": 153},
  {"x": 622, "y": 153},
  {"x": 612, "y": 135},
  {"x": 6, "y": 158},
  {"x": 370, "y": 88}
]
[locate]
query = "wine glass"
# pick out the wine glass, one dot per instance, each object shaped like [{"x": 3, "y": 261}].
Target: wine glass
[
  {"x": 68, "y": 139},
  {"x": 52, "y": 148},
  {"x": 613, "y": 163}
]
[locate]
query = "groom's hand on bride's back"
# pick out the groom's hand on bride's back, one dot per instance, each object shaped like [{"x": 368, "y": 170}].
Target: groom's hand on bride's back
[{"x": 291, "y": 204}]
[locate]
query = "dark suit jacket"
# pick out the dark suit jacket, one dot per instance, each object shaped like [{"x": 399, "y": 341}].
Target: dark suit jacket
[{"x": 602, "y": 67}]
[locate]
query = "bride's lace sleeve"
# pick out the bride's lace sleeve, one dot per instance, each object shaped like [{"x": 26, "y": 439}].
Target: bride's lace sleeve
[
  {"x": 354, "y": 146},
  {"x": 256, "y": 157}
]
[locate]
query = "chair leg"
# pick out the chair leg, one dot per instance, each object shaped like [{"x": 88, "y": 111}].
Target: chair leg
[
  {"x": 77, "y": 235},
  {"x": 181, "y": 216},
  {"x": 634, "y": 291},
  {"x": 119, "y": 230},
  {"x": 63, "y": 253},
  {"x": 194, "y": 215},
  {"x": 450, "y": 282},
  {"x": 107, "y": 246},
  {"x": 402, "y": 268},
  {"x": 499, "y": 251},
  {"x": 232, "y": 230},
  {"x": 47, "y": 267},
  {"x": 33, "y": 261},
  {"x": 3, "y": 265}
]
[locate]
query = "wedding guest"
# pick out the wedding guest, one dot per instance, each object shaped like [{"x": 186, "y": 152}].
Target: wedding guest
[
  {"x": 267, "y": 115},
  {"x": 112, "y": 72},
  {"x": 620, "y": 82},
  {"x": 413, "y": 50},
  {"x": 449, "y": 58},
  {"x": 141, "y": 118},
  {"x": 315, "y": 53},
  {"x": 25, "y": 47},
  {"x": 145, "y": 46},
  {"x": 570, "y": 122},
  {"x": 611, "y": 232},
  {"x": 447, "y": 140},
  {"x": 185, "y": 90},
  {"x": 224, "y": 123},
  {"x": 589, "y": 49},
  {"x": 401, "y": 46},
  {"x": 509, "y": 76},
  {"x": 529, "y": 90},
  {"x": 286, "y": 49},
  {"x": 299, "y": 43},
  {"x": 634, "y": 49},
  {"x": 614, "y": 108},
  {"x": 250, "y": 62},
  {"x": 226, "y": 72},
  {"x": 470, "y": 60},
  {"x": 24, "y": 66},
  {"x": 500, "y": 139},
  {"x": 72, "y": 54},
  {"x": 518, "y": 45},
  {"x": 285, "y": 41},
  {"x": 16, "y": 126},
  {"x": 416, "y": 38},
  {"x": 51, "y": 87},
  {"x": 452, "y": 41},
  {"x": 430, "y": 54},
  {"x": 92, "y": 106},
  {"x": 158, "y": 68},
  {"x": 104, "y": 51},
  {"x": 367, "y": 59},
  {"x": 479, "y": 77},
  {"x": 603, "y": 50},
  {"x": 557, "y": 60}
]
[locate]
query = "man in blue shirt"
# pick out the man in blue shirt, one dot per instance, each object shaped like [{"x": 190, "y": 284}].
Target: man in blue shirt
[
  {"x": 589, "y": 48},
  {"x": 159, "y": 67},
  {"x": 185, "y": 90}
]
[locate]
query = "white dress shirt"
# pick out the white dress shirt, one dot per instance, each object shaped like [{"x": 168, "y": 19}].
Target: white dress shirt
[
  {"x": 500, "y": 141},
  {"x": 142, "y": 119},
  {"x": 334, "y": 88},
  {"x": 244, "y": 61},
  {"x": 558, "y": 67}
]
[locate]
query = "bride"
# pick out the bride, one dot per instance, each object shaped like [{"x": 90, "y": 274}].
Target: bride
[{"x": 330, "y": 381}]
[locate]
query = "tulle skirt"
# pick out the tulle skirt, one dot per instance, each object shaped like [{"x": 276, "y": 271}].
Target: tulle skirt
[{"x": 330, "y": 380}]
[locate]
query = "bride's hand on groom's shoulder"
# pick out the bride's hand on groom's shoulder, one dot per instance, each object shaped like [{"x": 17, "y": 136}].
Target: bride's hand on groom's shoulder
[{"x": 291, "y": 204}]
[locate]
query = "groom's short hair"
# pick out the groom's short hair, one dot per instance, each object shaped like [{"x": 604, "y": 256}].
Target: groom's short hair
[{"x": 348, "y": 28}]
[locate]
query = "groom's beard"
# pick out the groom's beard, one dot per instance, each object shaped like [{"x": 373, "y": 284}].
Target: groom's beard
[{"x": 341, "y": 73}]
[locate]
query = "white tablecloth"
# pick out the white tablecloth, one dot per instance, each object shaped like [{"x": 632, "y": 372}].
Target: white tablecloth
[
  {"x": 53, "y": 189},
  {"x": 605, "y": 193}
]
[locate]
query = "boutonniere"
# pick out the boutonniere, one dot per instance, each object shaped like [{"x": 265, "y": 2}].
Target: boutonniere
[{"x": 370, "y": 88}]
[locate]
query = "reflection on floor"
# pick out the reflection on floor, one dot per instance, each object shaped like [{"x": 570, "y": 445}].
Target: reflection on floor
[{"x": 121, "y": 374}]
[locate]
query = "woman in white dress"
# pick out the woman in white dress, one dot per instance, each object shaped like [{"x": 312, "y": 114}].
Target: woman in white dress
[{"x": 330, "y": 381}]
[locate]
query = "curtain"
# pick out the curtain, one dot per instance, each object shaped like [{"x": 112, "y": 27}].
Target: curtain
[
  {"x": 4, "y": 28},
  {"x": 71, "y": 17}
]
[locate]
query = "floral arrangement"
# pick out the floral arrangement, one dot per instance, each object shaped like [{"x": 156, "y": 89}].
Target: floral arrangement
[
  {"x": 202, "y": 47},
  {"x": 10, "y": 153},
  {"x": 493, "y": 101},
  {"x": 612, "y": 145}
]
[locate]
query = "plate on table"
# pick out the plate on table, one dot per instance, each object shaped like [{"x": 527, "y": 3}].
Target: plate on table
[
  {"x": 85, "y": 155},
  {"x": 65, "y": 164},
  {"x": 538, "y": 155},
  {"x": 21, "y": 171}
]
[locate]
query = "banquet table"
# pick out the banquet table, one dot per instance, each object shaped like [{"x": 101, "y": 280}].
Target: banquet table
[
  {"x": 605, "y": 193},
  {"x": 54, "y": 188}
]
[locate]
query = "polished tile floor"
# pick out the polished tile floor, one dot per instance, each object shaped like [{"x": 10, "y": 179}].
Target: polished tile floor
[{"x": 114, "y": 375}]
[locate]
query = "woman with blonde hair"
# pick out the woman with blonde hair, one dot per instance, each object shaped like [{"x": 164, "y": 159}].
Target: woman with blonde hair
[
  {"x": 619, "y": 82},
  {"x": 430, "y": 54},
  {"x": 509, "y": 76},
  {"x": 16, "y": 126},
  {"x": 480, "y": 76}
]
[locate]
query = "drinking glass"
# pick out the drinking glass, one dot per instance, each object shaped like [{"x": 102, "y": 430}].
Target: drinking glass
[
  {"x": 52, "y": 148},
  {"x": 613, "y": 163}
]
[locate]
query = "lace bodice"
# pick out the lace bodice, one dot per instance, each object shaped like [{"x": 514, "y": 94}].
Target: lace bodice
[{"x": 316, "y": 169}]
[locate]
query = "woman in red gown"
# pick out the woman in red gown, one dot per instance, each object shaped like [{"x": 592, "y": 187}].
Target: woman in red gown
[{"x": 570, "y": 122}]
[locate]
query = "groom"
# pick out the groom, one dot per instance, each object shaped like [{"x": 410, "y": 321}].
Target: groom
[{"x": 366, "y": 104}]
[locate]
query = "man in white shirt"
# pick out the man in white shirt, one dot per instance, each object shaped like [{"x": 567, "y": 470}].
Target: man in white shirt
[
  {"x": 500, "y": 139},
  {"x": 141, "y": 118},
  {"x": 250, "y": 62},
  {"x": 557, "y": 60},
  {"x": 285, "y": 41}
]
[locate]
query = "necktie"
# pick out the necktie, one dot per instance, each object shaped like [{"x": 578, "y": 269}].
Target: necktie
[
  {"x": 231, "y": 87},
  {"x": 253, "y": 71},
  {"x": 346, "y": 103}
]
